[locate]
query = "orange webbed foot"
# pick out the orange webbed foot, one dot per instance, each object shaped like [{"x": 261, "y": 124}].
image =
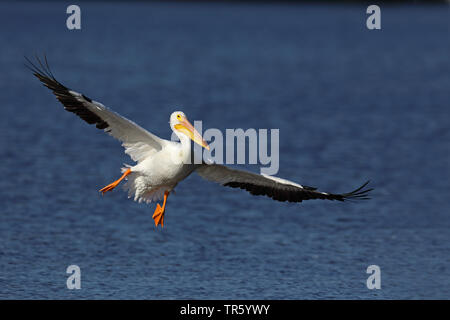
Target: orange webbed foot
[
  {"x": 111, "y": 186},
  {"x": 158, "y": 216}
]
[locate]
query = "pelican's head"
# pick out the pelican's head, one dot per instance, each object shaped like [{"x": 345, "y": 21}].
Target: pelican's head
[{"x": 180, "y": 124}]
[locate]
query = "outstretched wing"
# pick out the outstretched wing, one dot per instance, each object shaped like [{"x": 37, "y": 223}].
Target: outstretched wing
[
  {"x": 138, "y": 142},
  {"x": 273, "y": 187}
]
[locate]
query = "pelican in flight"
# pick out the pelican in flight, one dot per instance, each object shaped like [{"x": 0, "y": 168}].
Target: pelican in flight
[{"x": 162, "y": 164}]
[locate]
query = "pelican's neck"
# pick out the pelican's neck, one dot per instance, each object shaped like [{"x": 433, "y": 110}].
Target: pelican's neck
[{"x": 185, "y": 143}]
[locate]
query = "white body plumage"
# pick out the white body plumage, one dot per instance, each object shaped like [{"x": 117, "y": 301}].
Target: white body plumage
[{"x": 162, "y": 170}]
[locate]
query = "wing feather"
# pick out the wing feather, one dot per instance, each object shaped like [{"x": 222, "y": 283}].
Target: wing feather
[
  {"x": 273, "y": 187},
  {"x": 138, "y": 142}
]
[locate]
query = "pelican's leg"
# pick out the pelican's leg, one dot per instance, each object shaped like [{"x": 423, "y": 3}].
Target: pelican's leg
[
  {"x": 111, "y": 186},
  {"x": 158, "y": 215}
]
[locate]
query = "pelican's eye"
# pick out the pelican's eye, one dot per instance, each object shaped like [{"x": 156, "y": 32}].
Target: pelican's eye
[{"x": 179, "y": 116}]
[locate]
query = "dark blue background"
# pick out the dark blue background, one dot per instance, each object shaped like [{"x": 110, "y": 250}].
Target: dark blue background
[{"x": 351, "y": 104}]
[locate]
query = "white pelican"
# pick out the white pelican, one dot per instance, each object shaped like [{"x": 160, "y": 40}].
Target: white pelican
[{"x": 162, "y": 164}]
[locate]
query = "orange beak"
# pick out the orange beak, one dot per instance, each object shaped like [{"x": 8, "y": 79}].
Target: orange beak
[{"x": 188, "y": 129}]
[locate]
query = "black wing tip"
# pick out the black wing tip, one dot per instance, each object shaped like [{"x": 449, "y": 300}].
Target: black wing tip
[
  {"x": 306, "y": 194},
  {"x": 357, "y": 194},
  {"x": 41, "y": 69}
]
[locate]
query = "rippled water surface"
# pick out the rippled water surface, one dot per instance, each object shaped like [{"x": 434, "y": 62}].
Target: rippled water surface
[{"x": 351, "y": 105}]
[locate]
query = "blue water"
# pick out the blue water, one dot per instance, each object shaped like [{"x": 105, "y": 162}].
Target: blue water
[{"x": 351, "y": 104}]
